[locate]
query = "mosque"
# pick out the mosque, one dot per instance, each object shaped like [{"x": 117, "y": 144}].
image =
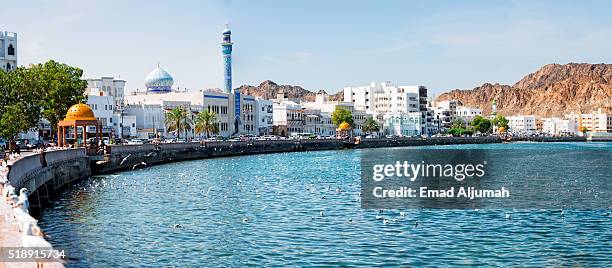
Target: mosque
[{"x": 236, "y": 113}]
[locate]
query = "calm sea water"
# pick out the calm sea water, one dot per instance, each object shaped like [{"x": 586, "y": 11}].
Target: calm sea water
[{"x": 285, "y": 210}]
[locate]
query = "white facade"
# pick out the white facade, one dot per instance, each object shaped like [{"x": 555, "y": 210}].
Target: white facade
[
  {"x": 107, "y": 86},
  {"x": 8, "y": 50},
  {"x": 218, "y": 102},
  {"x": 103, "y": 107},
  {"x": 520, "y": 123},
  {"x": 287, "y": 117},
  {"x": 382, "y": 98},
  {"x": 596, "y": 121},
  {"x": 559, "y": 126},
  {"x": 318, "y": 123},
  {"x": 467, "y": 114},
  {"x": 444, "y": 112},
  {"x": 145, "y": 121},
  {"x": 264, "y": 116},
  {"x": 402, "y": 124},
  {"x": 327, "y": 107}
]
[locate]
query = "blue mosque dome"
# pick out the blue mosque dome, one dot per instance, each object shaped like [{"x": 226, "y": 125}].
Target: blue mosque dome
[{"x": 159, "y": 81}]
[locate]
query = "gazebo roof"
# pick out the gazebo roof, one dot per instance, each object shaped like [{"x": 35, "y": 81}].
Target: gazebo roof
[{"x": 79, "y": 114}]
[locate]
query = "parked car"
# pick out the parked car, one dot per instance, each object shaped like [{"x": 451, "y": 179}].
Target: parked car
[{"x": 3, "y": 144}]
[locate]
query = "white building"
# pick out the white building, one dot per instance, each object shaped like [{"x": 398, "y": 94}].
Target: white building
[
  {"x": 596, "y": 121},
  {"x": 150, "y": 107},
  {"x": 327, "y": 108},
  {"x": 109, "y": 87},
  {"x": 444, "y": 112},
  {"x": 520, "y": 123},
  {"x": 103, "y": 107},
  {"x": 382, "y": 98},
  {"x": 264, "y": 116},
  {"x": 559, "y": 126},
  {"x": 288, "y": 116},
  {"x": 468, "y": 114},
  {"x": 402, "y": 124},
  {"x": 8, "y": 50}
]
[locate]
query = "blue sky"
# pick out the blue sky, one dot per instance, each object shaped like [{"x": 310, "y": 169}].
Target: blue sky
[{"x": 316, "y": 44}]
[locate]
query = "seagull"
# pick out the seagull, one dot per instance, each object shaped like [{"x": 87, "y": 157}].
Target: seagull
[
  {"x": 508, "y": 215},
  {"x": 562, "y": 213},
  {"x": 209, "y": 188},
  {"x": 476, "y": 209},
  {"x": 245, "y": 219},
  {"x": 262, "y": 209},
  {"x": 402, "y": 214},
  {"x": 416, "y": 223},
  {"x": 313, "y": 217},
  {"x": 321, "y": 213},
  {"x": 378, "y": 217},
  {"x": 177, "y": 226},
  {"x": 29, "y": 240},
  {"x": 385, "y": 221},
  {"x": 125, "y": 159},
  {"x": 141, "y": 163}
]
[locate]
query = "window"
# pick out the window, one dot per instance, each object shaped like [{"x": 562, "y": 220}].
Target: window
[
  {"x": 11, "y": 50},
  {"x": 8, "y": 66}
]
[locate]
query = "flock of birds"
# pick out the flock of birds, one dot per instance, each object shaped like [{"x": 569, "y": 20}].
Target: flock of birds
[
  {"x": 32, "y": 235},
  {"x": 227, "y": 187}
]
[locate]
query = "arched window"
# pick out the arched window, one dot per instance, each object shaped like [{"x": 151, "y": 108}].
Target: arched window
[{"x": 11, "y": 50}]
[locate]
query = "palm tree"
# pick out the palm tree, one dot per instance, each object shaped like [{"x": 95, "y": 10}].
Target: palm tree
[
  {"x": 206, "y": 122},
  {"x": 370, "y": 125},
  {"x": 178, "y": 120}
]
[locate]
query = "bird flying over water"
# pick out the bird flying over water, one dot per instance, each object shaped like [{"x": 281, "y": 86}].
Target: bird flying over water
[
  {"x": 139, "y": 164},
  {"x": 125, "y": 159}
]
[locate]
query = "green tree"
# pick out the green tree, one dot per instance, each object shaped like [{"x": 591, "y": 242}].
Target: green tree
[
  {"x": 500, "y": 121},
  {"x": 481, "y": 124},
  {"x": 178, "y": 120},
  {"x": 62, "y": 87},
  {"x": 458, "y": 123},
  {"x": 457, "y": 132},
  {"x": 206, "y": 122},
  {"x": 20, "y": 102},
  {"x": 342, "y": 115},
  {"x": 370, "y": 125},
  {"x": 584, "y": 130}
]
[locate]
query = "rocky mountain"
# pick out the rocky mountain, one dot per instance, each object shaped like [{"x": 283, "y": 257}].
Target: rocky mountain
[
  {"x": 268, "y": 90},
  {"x": 553, "y": 90}
]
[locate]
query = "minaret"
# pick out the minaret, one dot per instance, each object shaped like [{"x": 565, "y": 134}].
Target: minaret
[
  {"x": 226, "y": 45},
  {"x": 494, "y": 113},
  {"x": 227, "y": 58}
]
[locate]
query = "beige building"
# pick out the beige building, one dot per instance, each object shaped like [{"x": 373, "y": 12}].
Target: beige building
[{"x": 596, "y": 121}]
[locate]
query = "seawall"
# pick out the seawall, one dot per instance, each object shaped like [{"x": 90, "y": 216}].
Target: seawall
[
  {"x": 62, "y": 168},
  {"x": 132, "y": 156}
]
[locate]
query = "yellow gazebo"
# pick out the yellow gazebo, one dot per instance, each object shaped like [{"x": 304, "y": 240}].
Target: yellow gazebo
[
  {"x": 344, "y": 130},
  {"x": 79, "y": 115}
]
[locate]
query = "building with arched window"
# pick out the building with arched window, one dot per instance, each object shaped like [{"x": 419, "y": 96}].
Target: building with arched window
[{"x": 8, "y": 50}]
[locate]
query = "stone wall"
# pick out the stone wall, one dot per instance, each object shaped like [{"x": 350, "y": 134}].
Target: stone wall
[{"x": 63, "y": 167}]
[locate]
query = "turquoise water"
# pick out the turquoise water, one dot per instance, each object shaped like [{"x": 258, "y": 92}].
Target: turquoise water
[{"x": 265, "y": 210}]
